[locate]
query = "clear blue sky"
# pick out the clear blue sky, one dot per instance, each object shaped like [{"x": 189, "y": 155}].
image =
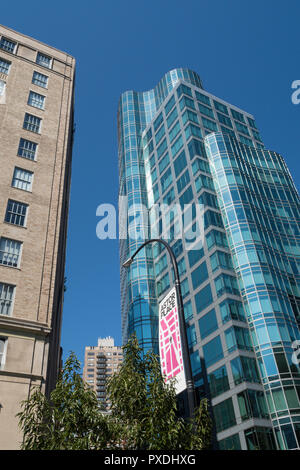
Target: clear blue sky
[{"x": 246, "y": 52}]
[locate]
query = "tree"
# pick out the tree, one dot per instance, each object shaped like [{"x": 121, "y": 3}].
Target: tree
[
  {"x": 144, "y": 407},
  {"x": 144, "y": 412},
  {"x": 71, "y": 419}
]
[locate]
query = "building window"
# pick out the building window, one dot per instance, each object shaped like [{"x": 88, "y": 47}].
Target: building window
[
  {"x": 237, "y": 115},
  {"x": 10, "y": 252},
  {"x": 3, "y": 344},
  {"x": 6, "y": 298},
  {"x": 32, "y": 123},
  {"x": 213, "y": 351},
  {"x": 22, "y": 179},
  {"x": 191, "y": 335},
  {"x": 252, "y": 404},
  {"x": 208, "y": 324},
  {"x": 232, "y": 309},
  {"x": 40, "y": 80},
  {"x": 259, "y": 438},
  {"x": 4, "y": 66},
  {"x": 244, "y": 369},
  {"x": 218, "y": 381},
  {"x": 36, "y": 100},
  {"x": 16, "y": 213},
  {"x": 238, "y": 338},
  {"x": 27, "y": 149},
  {"x": 203, "y": 298},
  {"x": 7, "y": 45},
  {"x": 43, "y": 60},
  {"x": 199, "y": 275},
  {"x": 230, "y": 443},
  {"x": 2, "y": 87},
  {"x": 203, "y": 98},
  {"x": 224, "y": 415}
]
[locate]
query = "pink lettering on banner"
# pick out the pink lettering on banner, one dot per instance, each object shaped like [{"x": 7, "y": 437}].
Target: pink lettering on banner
[{"x": 170, "y": 342}]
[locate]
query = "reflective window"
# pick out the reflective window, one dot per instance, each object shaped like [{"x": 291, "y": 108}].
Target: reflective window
[
  {"x": 238, "y": 338},
  {"x": 203, "y": 98},
  {"x": 205, "y": 110},
  {"x": 183, "y": 89},
  {"x": 259, "y": 438},
  {"x": 195, "y": 255},
  {"x": 203, "y": 299},
  {"x": 170, "y": 104},
  {"x": 232, "y": 310},
  {"x": 208, "y": 324},
  {"x": 16, "y": 213},
  {"x": 7, "y": 45},
  {"x": 230, "y": 443},
  {"x": 6, "y": 298},
  {"x": 22, "y": 179},
  {"x": 39, "y": 79},
  {"x": 36, "y": 100},
  {"x": 158, "y": 121},
  {"x": 244, "y": 369},
  {"x": 224, "y": 415},
  {"x": 27, "y": 149},
  {"x": 218, "y": 381},
  {"x": 183, "y": 181},
  {"x": 4, "y": 66},
  {"x": 43, "y": 60},
  {"x": 199, "y": 275},
  {"x": 180, "y": 163},
  {"x": 221, "y": 107},
  {"x": 213, "y": 351},
  {"x": 32, "y": 123},
  {"x": 252, "y": 404},
  {"x": 236, "y": 115},
  {"x": 10, "y": 251}
]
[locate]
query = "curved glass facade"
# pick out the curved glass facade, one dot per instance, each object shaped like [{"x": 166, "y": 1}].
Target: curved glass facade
[
  {"x": 179, "y": 144},
  {"x": 138, "y": 295},
  {"x": 260, "y": 212}
]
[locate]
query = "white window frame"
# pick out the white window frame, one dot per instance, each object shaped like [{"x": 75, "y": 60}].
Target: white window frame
[
  {"x": 37, "y": 98},
  {"x": 12, "y": 42},
  {"x": 2, "y": 87},
  {"x": 26, "y": 214},
  {"x": 12, "y": 300},
  {"x": 31, "y": 124},
  {"x": 44, "y": 85},
  {"x": 41, "y": 64},
  {"x": 3, "y": 354},
  {"x": 19, "y": 254},
  {"x": 6, "y": 62},
  {"x": 21, "y": 181},
  {"x": 24, "y": 149}
]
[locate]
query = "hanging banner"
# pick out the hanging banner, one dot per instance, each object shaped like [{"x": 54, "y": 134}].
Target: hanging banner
[{"x": 170, "y": 348}]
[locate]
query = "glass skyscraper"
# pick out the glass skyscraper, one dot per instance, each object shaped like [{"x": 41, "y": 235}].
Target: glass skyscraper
[{"x": 178, "y": 145}]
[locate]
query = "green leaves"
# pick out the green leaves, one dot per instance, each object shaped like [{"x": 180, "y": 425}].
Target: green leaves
[
  {"x": 145, "y": 407},
  {"x": 143, "y": 414},
  {"x": 71, "y": 419}
]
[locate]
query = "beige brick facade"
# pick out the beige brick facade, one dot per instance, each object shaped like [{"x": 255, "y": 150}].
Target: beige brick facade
[
  {"x": 100, "y": 363},
  {"x": 30, "y": 330}
]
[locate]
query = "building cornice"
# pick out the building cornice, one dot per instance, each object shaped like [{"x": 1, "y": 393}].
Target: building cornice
[{"x": 20, "y": 325}]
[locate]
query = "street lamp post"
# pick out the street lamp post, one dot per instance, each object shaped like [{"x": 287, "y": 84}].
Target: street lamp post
[{"x": 183, "y": 334}]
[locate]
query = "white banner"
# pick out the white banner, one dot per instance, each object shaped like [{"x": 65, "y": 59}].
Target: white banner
[{"x": 170, "y": 348}]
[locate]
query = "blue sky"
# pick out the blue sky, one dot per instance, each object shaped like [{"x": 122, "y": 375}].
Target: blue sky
[{"x": 246, "y": 52}]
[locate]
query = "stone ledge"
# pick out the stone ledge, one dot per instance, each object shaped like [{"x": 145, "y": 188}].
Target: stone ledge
[{"x": 22, "y": 325}]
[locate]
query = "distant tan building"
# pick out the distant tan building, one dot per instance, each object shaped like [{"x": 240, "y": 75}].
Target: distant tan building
[
  {"x": 100, "y": 363},
  {"x": 36, "y": 131}
]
